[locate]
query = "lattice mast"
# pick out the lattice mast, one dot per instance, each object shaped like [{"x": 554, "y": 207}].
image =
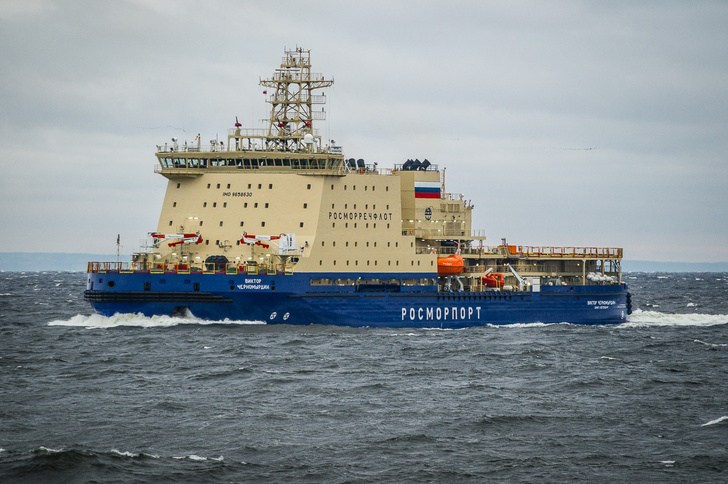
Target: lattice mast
[{"x": 292, "y": 113}]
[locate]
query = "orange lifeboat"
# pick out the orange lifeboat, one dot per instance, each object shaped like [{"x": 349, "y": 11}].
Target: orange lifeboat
[
  {"x": 494, "y": 280},
  {"x": 450, "y": 266}
]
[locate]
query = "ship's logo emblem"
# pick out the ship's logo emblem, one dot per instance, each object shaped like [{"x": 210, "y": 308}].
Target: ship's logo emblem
[
  {"x": 285, "y": 316},
  {"x": 273, "y": 315},
  {"x": 428, "y": 213}
]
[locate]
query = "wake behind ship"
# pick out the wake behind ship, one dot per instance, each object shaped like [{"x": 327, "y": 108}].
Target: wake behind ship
[{"x": 276, "y": 225}]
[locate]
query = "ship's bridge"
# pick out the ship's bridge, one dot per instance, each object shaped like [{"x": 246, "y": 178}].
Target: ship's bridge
[{"x": 173, "y": 164}]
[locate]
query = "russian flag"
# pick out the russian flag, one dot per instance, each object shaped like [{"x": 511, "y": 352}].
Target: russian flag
[{"x": 425, "y": 189}]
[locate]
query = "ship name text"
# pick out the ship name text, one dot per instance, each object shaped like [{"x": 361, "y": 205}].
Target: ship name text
[
  {"x": 254, "y": 285},
  {"x": 360, "y": 216},
  {"x": 453, "y": 313},
  {"x": 601, "y": 304}
]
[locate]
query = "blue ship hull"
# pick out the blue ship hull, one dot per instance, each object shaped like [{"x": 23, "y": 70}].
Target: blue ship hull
[{"x": 290, "y": 299}]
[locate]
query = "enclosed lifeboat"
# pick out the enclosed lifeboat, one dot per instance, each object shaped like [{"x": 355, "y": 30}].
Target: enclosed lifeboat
[
  {"x": 450, "y": 266},
  {"x": 493, "y": 279}
]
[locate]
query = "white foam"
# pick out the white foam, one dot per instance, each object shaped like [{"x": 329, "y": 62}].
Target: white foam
[
  {"x": 52, "y": 451},
  {"x": 132, "y": 455},
  {"x": 97, "y": 321},
  {"x": 641, "y": 318},
  {"x": 522, "y": 325},
  {"x": 124, "y": 454},
  {"x": 714, "y": 345},
  {"x": 199, "y": 458},
  {"x": 716, "y": 421},
  {"x": 692, "y": 305}
]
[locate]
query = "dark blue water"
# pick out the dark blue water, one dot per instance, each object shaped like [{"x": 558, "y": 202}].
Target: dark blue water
[{"x": 85, "y": 398}]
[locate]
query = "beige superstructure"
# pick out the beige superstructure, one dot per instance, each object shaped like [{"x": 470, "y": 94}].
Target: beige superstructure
[{"x": 346, "y": 215}]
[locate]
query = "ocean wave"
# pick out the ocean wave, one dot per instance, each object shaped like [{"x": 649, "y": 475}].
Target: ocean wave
[
  {"x": 195, "y": 457},
  {"x": 132, "y": 455},
  {"x": 716, "y": 421},
  {"x": 97, "y": 321},
  {"x": 524, "y": 325},
  {"x": 640, "y": 318},
  {"x": 712, "y": 345}
]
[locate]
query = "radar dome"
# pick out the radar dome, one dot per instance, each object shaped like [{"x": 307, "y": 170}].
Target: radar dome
[{"x": 308, "y": 139}]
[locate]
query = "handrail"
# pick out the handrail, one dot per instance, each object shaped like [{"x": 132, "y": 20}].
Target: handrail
[
  {"x": 231, "y": 268},
  {"x": 536, "y": 252}
]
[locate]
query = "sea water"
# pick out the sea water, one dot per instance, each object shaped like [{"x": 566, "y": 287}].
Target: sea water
[{"x": 86, "y": 398}]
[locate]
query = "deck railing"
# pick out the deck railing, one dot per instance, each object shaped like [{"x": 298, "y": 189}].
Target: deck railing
[
  {"x": 538, "y": 252},
  {"x": 193, "y": 268}
]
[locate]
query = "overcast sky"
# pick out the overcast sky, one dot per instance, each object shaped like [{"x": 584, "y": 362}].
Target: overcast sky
[{"x": 565, "y": 122}]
